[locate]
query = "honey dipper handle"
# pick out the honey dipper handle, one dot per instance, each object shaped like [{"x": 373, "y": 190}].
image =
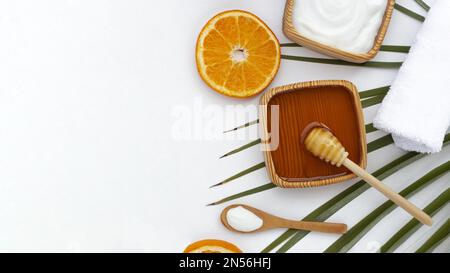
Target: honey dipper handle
[
  {"x": 316, "y": 226},
  {"x": 389, "y": 193}
]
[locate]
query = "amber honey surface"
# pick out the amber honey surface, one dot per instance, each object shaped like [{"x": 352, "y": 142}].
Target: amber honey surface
[{"x": 333, "y": 106}]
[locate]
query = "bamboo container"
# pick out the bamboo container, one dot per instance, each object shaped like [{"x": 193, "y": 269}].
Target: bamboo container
[
  {"x": 357, "y": 119},
  {"x": 290, "y": 31}
]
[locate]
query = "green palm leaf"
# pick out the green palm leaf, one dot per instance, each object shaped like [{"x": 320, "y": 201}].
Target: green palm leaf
[
  {"x": 423, "y": 4},
  {"x": 246, "y": 146},
  {"x": 244, "y": 172},
  {"x": 349, "y": 239},
  {"x": 374, "y": 92},
  {"x": 248, "y": 124},
  {"x": 438, "y": 237},
  {"x": 379, "y": 143},
  {"x": 339, "y": 201},
  {"x": 398, "y": 238},
  {"x": 395, "y": 48},
  {"x": 409, "y": 12},
  {"x": 336, "y": 203},
  {"x": 372, "y": 101},
  {"x": 370, "y": 128},
  {"x": 388, "y": 48},
  {"x": 243, "y": 126},
  {"x": 375, "y": 64},
  {"x": 262, "y": 188}
]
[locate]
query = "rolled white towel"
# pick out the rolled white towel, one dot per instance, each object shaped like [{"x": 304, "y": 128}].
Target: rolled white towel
[{"x": 416, "y": 111}]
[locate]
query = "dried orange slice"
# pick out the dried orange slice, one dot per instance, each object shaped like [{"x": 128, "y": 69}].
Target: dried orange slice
[
  {"x": 237, "y": 54},
  {"x": 212, "y": 246}
]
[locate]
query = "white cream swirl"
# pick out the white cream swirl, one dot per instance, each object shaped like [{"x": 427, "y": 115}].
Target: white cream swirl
[
  {"x": 243, "y": 220},
  {"x": 350, "y": 25}
]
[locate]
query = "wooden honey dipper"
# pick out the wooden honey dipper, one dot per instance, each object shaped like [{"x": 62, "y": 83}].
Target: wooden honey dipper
[{"x": 321, "y": 142}]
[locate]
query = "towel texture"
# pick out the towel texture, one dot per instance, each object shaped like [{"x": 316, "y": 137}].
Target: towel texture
[{"x": 416, "y": 111}]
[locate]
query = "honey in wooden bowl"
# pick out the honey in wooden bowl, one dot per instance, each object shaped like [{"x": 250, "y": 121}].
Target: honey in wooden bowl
[{"x": 333, "y": 103}]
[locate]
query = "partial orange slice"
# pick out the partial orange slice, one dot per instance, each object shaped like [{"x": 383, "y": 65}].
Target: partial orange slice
[
  {"x": 212, "y": 246},
  {"x": 237, "y": 54}
]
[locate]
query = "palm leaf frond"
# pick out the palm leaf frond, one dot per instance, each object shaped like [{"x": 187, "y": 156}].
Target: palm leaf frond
[
  {"x": 372, "y": 101},
  {"x": 395, "y": 48},
  {"x": 409, "y": 12},
  {"x": 402, "y": 235},
  {"x": 374, "y": 64},
  {"x": 262, "y": 188},
  {"x": 250, "y": 123},
  {"x": 370, "y": 128},
  {"x": 244, "y": 172},
  {"x": 423, "y": 5},
  {"x": 246, "y": 146},
  {"x": 438, "y": 237},
  {"x": 387, "y": 48},
  {"x": 336, "y": 203},
  {"x": 379, "y": 143},
  {"x": 374, "y": 92},
  {"x": 349, "y": 239}
]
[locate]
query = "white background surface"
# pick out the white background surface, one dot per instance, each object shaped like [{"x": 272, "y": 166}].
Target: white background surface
[{"x": 88, "y": 159}]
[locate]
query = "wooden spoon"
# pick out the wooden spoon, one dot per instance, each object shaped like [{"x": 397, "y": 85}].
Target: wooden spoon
[
  {"x": 321, "y": 142},
  {"x": 271, "y": 221}
]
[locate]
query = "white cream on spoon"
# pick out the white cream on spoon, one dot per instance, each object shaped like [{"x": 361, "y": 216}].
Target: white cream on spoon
[
  {"x": 243, "y": 220},
  {"x": 349, "y": 25}
]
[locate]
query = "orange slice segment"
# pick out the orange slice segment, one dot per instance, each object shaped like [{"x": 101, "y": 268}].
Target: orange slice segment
[
  {"x": 237, "y": 54},
  {"x": 212, "y": 246}
]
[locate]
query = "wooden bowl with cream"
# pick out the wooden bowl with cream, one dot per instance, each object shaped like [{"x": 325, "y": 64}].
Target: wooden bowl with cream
[{"x": 341, "y": 29}]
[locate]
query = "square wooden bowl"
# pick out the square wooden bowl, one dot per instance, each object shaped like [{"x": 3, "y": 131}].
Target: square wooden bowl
[
  {"x": 290, "y": 31},
  {"x": 311, "y": 102}
]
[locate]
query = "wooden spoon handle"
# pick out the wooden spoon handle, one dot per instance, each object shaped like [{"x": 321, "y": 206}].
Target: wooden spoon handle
[
  {"x": 317, "y": 226},
  {"x": 389, "y": 193}
]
